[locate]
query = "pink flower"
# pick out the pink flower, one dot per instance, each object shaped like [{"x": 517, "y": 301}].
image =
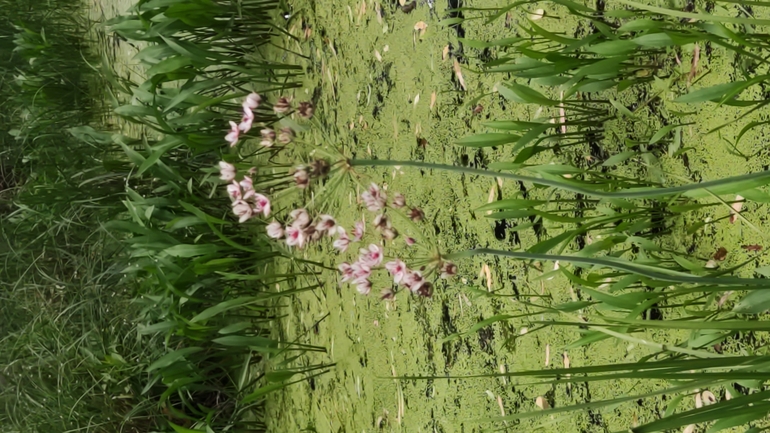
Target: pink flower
[
  {"x": 282, "y": 105},
  {"x": 397, "y": 269},
  {"x": 285, "y": 135},
  {"x": 423, "y": 288},
  {"x": 261, "y": 204},
  {"x": 305, "y": 109},
  {"x": 312, "y": 233},
  {"x": 232, "y": 136},
  {"x": 252, "y": 101},
  {"x": 389, "y": 234},
  {"x": 300, "y": 217},
  {"x": 360, "y": 270},
  {"x": 275, "y": 230},
  {"x": 342, "y": 241},
  {"x": 301, "y": 178},
  {"x": 226, "y": 171},
  {"x": 242, "y": 210},
  {"x": 416, "y": 214},
  {"x": 346, "y": 270},
  {"x": 409, "y": 241},
  {"x": 326, "y": 224},
  {"x": 371, "y": 256},
  {"x": 374, "y": 199},
  {"x": 247, "y": 184},
  {"x": 381, "y": 222},
  {"x": 358, "y": 231},
  {"x": 268, "y": 136},
  {"x": 234, "y": 191},
  {"x": 295, "y": 236},
  {"x": 448, "y": 269},
  {"x": 411, "y": 279},
  {"x": 364, "y": 287},
  {"x": 398, "y": 200},
  {"x": 246, "y": 120}
]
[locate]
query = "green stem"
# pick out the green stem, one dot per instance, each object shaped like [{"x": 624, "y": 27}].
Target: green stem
[
  {"x": 648, "y": 271},
  {"x": 631, "y": 193}
]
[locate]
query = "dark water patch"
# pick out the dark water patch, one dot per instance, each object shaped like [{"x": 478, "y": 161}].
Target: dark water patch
[
  {"x": 581, "y": 31},
  {"x": 500, "y": 229},
  {"x": 596, "y": 150},
  {"x": 480, "y": 160},
  {"x": 513, "y": 280},
  {"x": 486, "y": 55},
  {"x": 454, "y": 13},
  {"x": 463, "y": 183},
  {"x": 486, "y": 336},
  {"x": 448, "y": 327},
  {"x": 523, "y": 190},
  {"x": 653, "y": 313},
  {"x": 384, "y": 84},
  {"x": 409, "y": 7},
  {"x": 595, "y": 419},
  {"x": 455, "y": 225},
  {"x": 658, "y": 218}
]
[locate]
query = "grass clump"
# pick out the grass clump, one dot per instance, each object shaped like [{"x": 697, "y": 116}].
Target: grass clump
[{"x": 133, "y": 305}]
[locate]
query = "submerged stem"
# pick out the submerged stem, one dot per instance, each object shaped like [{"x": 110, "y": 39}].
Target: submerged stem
[
  {"x": 629, "y": 193},
  {"x": 654, "y": 272}
]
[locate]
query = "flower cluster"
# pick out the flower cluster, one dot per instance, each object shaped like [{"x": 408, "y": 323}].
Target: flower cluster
[
  {"x": 246, "y": 202},
  {"x": 359, "y": 272},
  {"x": 269, "y": 136},
  {"x": 301, "y": 230},
  {"x": 250, "y": 104},
  {"x": 376, "y": 200},
  {"x": 315, "y": 170}
]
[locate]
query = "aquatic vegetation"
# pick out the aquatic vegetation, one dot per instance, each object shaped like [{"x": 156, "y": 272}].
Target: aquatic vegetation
[{"x": 590, "y": 165}]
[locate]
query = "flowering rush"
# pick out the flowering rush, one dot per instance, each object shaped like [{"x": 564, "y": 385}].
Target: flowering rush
[
  {"x": 300, "y": 230},
  {"x": 232, "y": 136},
  {"x": 246, "y": 202},
  {"x": 250, "y": 104},
  {"x": 226, "y": 171},
  {"x": 374, "y": 199}
]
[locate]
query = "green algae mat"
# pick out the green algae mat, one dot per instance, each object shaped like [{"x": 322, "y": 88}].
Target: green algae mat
[{"x": 401, "y": 82}]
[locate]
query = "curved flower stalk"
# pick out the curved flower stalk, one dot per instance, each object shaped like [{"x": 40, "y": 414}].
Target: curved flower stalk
[
  {"x": 630, "y": 222},
  {"x": 246, "y": 202},
  {"x": 282, "y": 107},
  {"x": 300, "y": 231},
  {"x": 730, "y": 185},
  {"x": 655, "y": 273}
]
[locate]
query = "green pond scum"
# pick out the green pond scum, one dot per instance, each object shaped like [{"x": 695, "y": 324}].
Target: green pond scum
[{"x": 373, "y": 80}]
